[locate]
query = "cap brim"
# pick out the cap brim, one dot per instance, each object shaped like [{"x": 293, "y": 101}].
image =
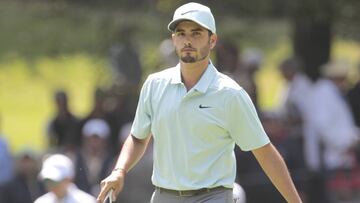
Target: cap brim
[
  {"x": 172, "y": 25},
  {"x": 51, "y": 174}
]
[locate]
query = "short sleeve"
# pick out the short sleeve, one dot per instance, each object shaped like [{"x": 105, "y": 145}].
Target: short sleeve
[
  {"x": 243, "y": 122},
  {"x": 142, "y": 122}
]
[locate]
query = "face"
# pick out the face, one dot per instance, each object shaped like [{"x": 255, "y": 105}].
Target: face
[
  {"x": 287, "y": 73},
  {"x": 192, "y": 42},
  {"x": 58, "y": 188},
  {"x": 94, "y": 144}
]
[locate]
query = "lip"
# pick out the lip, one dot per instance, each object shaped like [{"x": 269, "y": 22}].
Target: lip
[{"x": 187, "y": 50}]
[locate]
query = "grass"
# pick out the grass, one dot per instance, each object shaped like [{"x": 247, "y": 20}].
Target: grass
[{"x": 26, "y": 94}]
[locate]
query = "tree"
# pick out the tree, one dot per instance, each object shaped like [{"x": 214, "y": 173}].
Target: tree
[{"x": 312, "y": 33}]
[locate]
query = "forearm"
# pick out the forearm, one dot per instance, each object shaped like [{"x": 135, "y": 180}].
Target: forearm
[
  {"x": 131, "y": 152},
  {"x": 275, "y": 168}
]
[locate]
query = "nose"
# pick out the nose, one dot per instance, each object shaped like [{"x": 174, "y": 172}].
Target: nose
[
  {"x": 187, "y": 41},
  {"x": 187, "y": 44}
]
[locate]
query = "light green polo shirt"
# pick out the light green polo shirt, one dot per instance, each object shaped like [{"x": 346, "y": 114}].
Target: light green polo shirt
[{"x": 195, "y": 132}]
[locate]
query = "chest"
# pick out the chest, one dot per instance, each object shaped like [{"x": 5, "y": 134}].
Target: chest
[{"x": 193, "y": 110}]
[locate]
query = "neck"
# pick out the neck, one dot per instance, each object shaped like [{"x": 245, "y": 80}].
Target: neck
[
  {"x": 60, "y": 193},
  {"x": 192, "y": 72}
]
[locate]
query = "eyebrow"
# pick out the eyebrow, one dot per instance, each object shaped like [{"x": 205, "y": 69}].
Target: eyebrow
[
  {"x": 192, "y": 30},
  {"x": 198, "y": 29}
]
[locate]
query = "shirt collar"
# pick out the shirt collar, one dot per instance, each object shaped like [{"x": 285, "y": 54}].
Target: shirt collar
[
  {"x": 205, "y": 81},
  {"x": 176, "y": 76}
]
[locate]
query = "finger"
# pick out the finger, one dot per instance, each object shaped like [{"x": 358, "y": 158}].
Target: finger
[
  {"x": 116, "y": 192},
  {"x": 114, "y": 195},
  {"x": 102, "y": 194}
]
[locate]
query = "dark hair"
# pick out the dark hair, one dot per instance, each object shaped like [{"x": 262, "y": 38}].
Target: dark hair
[
  {"x": 210, "y": 33},
  {"x": 292, "y": 63}
]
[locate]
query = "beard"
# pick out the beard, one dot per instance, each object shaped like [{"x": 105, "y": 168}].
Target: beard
[
  {"x": 203, "y": 53},
  {"x": 188, "y": 59}
]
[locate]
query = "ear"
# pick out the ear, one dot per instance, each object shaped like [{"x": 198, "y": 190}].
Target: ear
[
  {"x": 173, "y": 38},
  {"x": 213, "y": 40}
]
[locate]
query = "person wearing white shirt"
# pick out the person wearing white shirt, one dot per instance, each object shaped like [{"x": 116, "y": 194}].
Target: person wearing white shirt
[
  {"x": 57, "y": 173},
  {"x": 298, "y": 86},
  {"x": 332, "y": 124}
]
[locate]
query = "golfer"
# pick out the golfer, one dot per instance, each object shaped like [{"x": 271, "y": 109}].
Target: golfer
[{"x": 196, "y": 115}]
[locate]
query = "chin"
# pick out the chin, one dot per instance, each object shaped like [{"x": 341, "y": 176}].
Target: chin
[{"x": 188, "y": 59}]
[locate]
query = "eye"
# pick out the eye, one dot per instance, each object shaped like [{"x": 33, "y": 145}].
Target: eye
[
  {"x": 196, "y": 33},
  {"x": 179, "y": 34}
]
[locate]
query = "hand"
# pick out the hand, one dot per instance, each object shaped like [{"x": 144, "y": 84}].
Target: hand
[{"x": 115, "y": 182}]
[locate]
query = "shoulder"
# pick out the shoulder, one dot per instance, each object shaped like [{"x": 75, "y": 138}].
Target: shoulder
[
  {"x": 226, "y": 84},
  {"x": 46, "y": 198},
  {"x": 80, "y": 195},
  {"x": 84, "y": 197},
  {"x": 324, "y": 86},
  {"x": 164, "y": 75},
  {"x": 159, "y": 80}
]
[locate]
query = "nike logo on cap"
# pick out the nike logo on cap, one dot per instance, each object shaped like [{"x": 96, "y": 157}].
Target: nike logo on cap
[
  {"x": 189, "y": 12},
  {"x": 204, "y": 107}
]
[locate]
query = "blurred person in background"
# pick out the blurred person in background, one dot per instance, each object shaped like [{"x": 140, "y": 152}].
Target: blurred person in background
[
  {"x": 294, "y": 107},
  {"x": 25, "y": 187},
  {"x": 294, "y": 104},
  {"x": 93, "y": 161},
  {"x": 227, "y": 59},
  {"x": 138, "y": 188},
  {"x": 353, "y": 96},
  {"x": 126, "y": 66},
  {"x": 117, "y": 115},
  {"x": 98, "y": 110},
  {"x": 125, "y": 60},
  {"x": 251, "y": 61},
  {"x": 6, "y": 160},
  {"x": 64, "y": 128},
  {"x": 57, "y": 173},
  {"x": 110, "y": 106},
  {"x": 332, "y": 131}
]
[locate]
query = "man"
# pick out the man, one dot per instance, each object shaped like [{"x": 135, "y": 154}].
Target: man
[
  {"x": 93, "y": 160},
  {"x": 195, "y": 115},
  {"x": 57, "y": 173},
  {"x": 353, "y": 96},
  {"x": 25, "y": 180},
  {"x": 64, "y": 128},
  {"x": 332, "y": 132}
]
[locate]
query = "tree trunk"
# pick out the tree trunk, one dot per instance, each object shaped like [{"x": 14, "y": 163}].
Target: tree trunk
[{"x": 312, "y": 36}]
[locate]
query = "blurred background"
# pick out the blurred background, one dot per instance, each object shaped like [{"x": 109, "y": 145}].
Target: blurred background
[{"x": 68, "y": 66}]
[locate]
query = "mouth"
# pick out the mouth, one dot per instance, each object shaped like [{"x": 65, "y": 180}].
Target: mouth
[{"x": 188, "y": 49}]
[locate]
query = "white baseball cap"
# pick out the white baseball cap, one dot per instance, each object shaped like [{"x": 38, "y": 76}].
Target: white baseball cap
[
  {"x": 57, "y": 167},
  {"x": 97, "y": 127},
  {"x": 195, "y": 12}
]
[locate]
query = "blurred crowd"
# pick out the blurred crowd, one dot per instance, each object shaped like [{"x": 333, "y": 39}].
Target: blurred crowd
[{"x": 315, "y": 127}]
